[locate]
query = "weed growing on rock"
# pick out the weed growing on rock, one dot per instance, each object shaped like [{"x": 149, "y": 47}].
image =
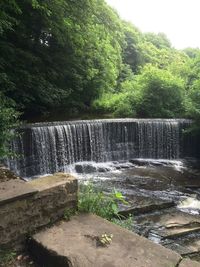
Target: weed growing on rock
[
  {"x": 68, "y": 213},
  {"x": 94, "y": 200},
  {"x": 125, "y": 222},
  {"x": 6, "y": 257}
]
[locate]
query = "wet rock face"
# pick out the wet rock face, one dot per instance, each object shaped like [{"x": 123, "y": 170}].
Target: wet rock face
[
  {"x": 90, "y": 167},
  {"x": 85, "y": 168},
  {"x": 151, "y": 162},
  {"x": 168, "y": 224}
]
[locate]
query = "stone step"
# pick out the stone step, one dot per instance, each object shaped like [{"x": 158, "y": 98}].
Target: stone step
[
  {"x": 79, "y": 243},
  {"x": 140, "y": 205}
]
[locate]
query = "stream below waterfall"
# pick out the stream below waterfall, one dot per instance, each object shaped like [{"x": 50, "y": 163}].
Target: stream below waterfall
[{"x": 163, "y": 196}]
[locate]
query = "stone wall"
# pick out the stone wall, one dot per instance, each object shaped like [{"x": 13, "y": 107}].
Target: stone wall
[{"x": 28, "y": 206}]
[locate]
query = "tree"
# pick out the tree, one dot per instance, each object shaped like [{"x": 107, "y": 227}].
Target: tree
[
  {"x": 71, "y": 56},
  {"x": 162, "y": 94},
  {"x": 8, "y": 120},
  {"x": 159, "y": 40},
  {"x": 192, "y": 52},
  {"x": 8, "y": 11},
  {"x": 193, "y": 93},
  {"x": 132, "y": 55},
  {"x": 59, "y": 55}
]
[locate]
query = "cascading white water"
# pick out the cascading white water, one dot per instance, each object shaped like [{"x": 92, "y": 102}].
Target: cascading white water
[{"x": 48, "y": 148}]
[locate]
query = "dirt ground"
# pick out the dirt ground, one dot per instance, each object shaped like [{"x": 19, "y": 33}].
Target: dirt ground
[
  {"x": 16, "y": 260},
  {"x": 6, "y": 175}
]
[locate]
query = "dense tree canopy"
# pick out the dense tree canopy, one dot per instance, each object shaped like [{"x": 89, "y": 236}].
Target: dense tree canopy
[
  {"x": 79, "y": 57},
  {"x": 8, "y": 120},
  {"x": 162, "y": 94},
  {"x": 53, "y": 52}
]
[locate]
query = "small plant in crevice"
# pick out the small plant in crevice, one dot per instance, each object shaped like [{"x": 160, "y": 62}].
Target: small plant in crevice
[
  {"x": 68, "y": 213},
  {"x": 6, "y": 257},
  {"x": 125, "y": 222},
  {"x": 94, "y": 200}
]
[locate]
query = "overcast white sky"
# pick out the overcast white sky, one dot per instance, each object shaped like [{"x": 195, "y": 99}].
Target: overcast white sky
[{"x": 178, "y": 19}]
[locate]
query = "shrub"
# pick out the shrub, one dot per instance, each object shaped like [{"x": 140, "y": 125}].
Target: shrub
[
  {"x": 8, "y": 120},
  {"x": 94, "y": 200},
  {"x": 162, "y": 94},
  {"x": 7, "y": 257}
]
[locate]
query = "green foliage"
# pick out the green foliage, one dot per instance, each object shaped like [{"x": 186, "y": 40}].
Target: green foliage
[
  {"x": 153, "y": 93},
  {"x": 131, "y": 51},
  {"x": 8, "y": 11},
  {"x": 125, "y": 223},
  {"x": 68, "y": 213},
  {"x": 66, "y": 55},
  {"x": 192, "y": 52},
  {"x": 8, "y": 120},
  {"x": 118, "y": 104},
  {"x": 6, "y": 257},
  {"x": 79, "y": 56},
  {"x": 192, "y": 101},
  {"x": 159, "y": 40},
  {"x": 162, "y": 94},
  {"x": 193, "y": 106},
  {"x": 94, "y": 200}
]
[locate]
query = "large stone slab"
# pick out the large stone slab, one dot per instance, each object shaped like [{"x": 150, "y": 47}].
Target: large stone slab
[
  {"x": 75, "y": 243},
  {"x": 189, "y": 263},
  {"x": 34, "y": 205},
  {"x": 14, "y": 190}
]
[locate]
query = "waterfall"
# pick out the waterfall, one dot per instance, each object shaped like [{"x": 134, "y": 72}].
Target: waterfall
[{"x": 44, "y": 148}]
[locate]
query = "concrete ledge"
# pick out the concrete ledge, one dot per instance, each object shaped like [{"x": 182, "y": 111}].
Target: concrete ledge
[
  {"x": 48, "y": 182},
  {"x": 28, "y": 206},
  {"x": 14, "y": 190},
  {"x": 75, "y": 244}
]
